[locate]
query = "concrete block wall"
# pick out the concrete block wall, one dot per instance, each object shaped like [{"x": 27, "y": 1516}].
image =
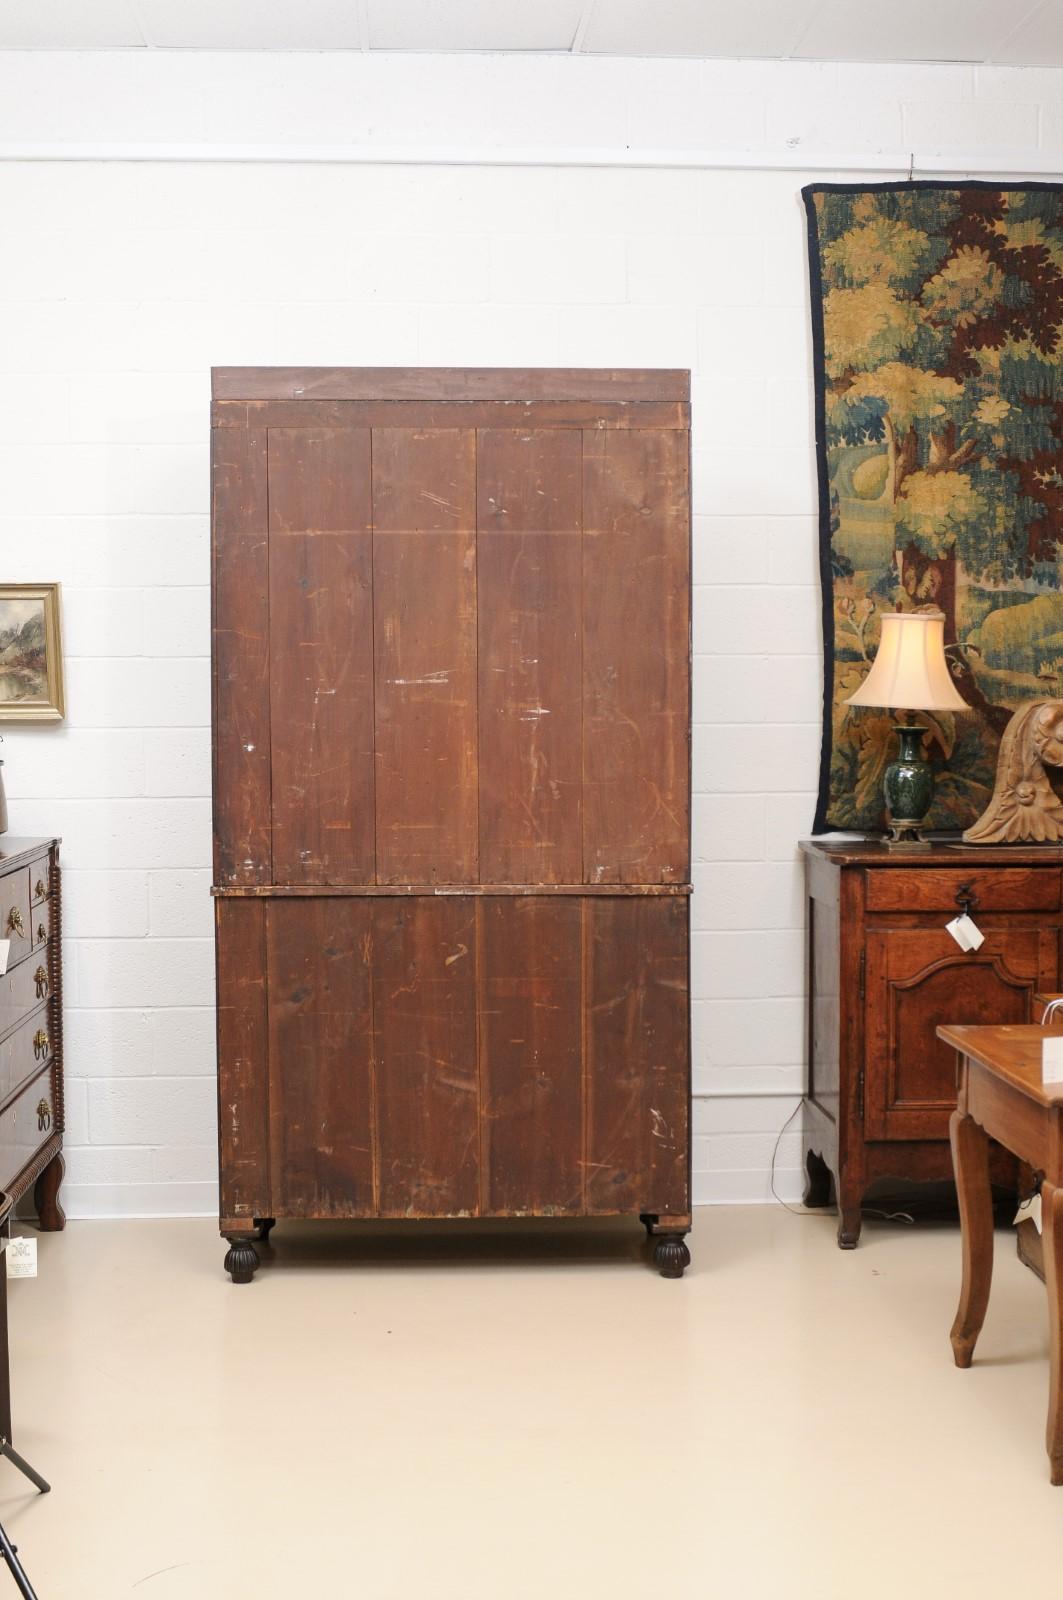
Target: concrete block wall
[{"x": 488, "y": 211}]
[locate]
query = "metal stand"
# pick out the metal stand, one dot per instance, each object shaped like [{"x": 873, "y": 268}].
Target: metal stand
[{"x": 8, "y": 1551}]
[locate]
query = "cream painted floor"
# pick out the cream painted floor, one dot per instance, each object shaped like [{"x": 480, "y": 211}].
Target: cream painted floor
[{"x": 510, "y": 1414}]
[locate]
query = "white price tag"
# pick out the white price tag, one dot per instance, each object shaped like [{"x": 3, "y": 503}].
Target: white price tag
[
  {"x": 965, "y": 932},
  {"x": 1052, "y": 1059},
  {"x": 21, "y": 1257},
  {"x": 5, "y": 948}
]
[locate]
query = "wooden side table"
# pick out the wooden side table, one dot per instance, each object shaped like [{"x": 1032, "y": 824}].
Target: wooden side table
[
  {"x": 1000, "y": 1096},
  {"x": 883, "y": 972}
]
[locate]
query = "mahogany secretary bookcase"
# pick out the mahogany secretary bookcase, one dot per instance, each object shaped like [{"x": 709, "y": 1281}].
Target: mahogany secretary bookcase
[{"x": 451, "y": 621}]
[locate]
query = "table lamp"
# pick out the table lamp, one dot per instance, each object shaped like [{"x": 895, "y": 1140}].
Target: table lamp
[{"x": 909, "y": 673}]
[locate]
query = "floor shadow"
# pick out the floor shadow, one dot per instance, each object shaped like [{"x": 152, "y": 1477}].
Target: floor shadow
[{"x": 518, "y": 1242}]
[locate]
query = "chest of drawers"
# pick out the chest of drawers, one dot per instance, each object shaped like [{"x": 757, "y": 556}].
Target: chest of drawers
[
  {"x": 883, "y": 974},
  {"x": 31, "y": 1076}
]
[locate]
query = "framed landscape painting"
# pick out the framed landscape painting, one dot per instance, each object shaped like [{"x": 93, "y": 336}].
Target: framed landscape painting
[{"x": 31, "y": 657}]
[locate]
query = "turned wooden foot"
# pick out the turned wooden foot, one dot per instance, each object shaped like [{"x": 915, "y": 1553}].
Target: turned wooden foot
[
  {"x": 818, "y": 1181},
  {"x": 241, "y": 1258},
  {"x": 670, "y": 1255},
  {"x": 51, "y": 1217},
  {"x": 849, "y": 1223}
]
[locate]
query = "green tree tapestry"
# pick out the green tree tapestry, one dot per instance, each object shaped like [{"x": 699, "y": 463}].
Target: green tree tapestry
[{"x": 937, "y": 313}]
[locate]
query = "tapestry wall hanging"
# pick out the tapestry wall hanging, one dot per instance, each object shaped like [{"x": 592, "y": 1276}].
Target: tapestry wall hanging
[{"x": 936, "y": 315}]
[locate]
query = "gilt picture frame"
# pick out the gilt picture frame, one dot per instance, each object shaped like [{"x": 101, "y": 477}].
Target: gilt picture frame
[{"x": 31, "y": 653}]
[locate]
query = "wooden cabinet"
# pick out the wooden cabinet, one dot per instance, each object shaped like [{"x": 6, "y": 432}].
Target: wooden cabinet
[
  {"x": 31, "y": 1026},
  {"x": 451, "y": 736},
  {"x": 884, "y": 973}
]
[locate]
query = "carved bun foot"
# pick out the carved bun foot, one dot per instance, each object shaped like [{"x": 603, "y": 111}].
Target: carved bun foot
[
  {"x": 263, "y": 1228},
  {"x": 649, "y": 1221},
  {"x": 670, "y": 1255},
  {"x": 241, "y": 1259}
]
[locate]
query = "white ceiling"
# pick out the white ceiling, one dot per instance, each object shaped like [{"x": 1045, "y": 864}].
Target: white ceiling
[{"x": 1016, "y": 32}]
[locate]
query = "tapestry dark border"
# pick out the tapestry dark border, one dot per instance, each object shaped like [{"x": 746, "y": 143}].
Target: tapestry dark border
[{"x": 820, "y": 823}]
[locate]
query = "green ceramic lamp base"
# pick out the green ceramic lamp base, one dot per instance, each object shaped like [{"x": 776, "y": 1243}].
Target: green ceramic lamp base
[{"x": 909, "y": 791}]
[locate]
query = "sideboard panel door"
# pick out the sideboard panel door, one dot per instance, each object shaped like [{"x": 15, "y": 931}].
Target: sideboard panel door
[
  {"x": 321, "y": 1057},
  {"x": 917, "y": 978}
]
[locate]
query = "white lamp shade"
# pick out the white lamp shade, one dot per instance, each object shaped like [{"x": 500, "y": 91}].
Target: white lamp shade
[{"x": 910, "y": 672}]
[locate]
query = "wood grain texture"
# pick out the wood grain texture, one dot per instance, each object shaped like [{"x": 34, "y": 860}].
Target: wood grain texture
[
  {"x": 450, "y": 414},
  {"x": 424, "y": 1008},
  {"x": 321, "y": 1058},
  {"x": 243, "y": 1085},
  {"x": 240, "y": 689},
  {"x": 449, "y": 383},
  {"x": 637, "y": 1064},
  {"x": 321, "y": 662},
  {"x": 987, "y": 889},
  {"x": 636, "y": 657},
  {"x": 531, "y": 1057},
  {"x": 531, "y": 715},
  {"x": 528, "y": 481},
  {"x": 424, "y": 568},
  {"x": 917, "y": 978}
]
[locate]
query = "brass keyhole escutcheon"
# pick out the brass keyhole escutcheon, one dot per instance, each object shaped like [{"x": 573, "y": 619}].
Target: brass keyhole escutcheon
[
  {"x": 40, "y": 978},
  {"x": 40, "y": 1044},
  {"x": 44, "y": 1116},
  {"x": 15, "y": 923}
]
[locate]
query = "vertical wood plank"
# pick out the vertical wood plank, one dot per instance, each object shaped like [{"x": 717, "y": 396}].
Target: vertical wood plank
[
  {"x": 424, "y": 1009},
  {"x": 530, "y": 1056},
  {"x": 529, "y": 582},
  {"x": 637, "y": 1055},
  {"x": 243, "y": 1076},
  {"x": 240, "y": 603},
  {"x": 321, "y": 1056},
  {"x": 424, "y": 563},
  {"x": 528, "y": 480},
  {"x": 321, "y": 673},
  {"x": 636, "y": 650}
]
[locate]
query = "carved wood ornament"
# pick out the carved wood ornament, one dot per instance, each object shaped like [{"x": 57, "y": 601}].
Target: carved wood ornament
[{"x": 1025, "y": 807}]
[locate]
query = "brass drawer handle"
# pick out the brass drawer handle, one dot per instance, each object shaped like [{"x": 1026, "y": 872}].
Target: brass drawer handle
[
  {"x": 39, "y": 891},
  {"x": 40, "y": 1045},
  {"x": 42, "y": 933},
  {"x": 44, "y": 1116},
  {"x": 15, "y": 923},
  {"x": 40, "y": 978}
]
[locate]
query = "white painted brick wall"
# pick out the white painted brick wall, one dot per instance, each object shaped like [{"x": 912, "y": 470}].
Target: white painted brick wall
[{"x": 123, "y": 282}]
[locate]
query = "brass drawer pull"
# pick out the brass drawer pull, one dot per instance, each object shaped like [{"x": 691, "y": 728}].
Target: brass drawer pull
[
  {"x": 42, "y": 933},
  {"x": 40, "y": 1045},
  {"x": 44, "y": 1116},
  {"x": 40, "y": 978},
  {"x": 39, "y": 891},
  {"x": 15, "y": 923}
]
